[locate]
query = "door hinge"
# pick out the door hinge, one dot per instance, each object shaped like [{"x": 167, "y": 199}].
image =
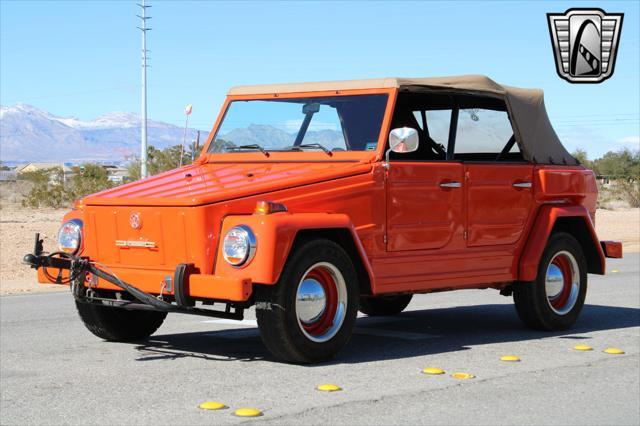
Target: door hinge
[
  {"x": 384, "y": 239},
  {"x": 465, "y": 234}
]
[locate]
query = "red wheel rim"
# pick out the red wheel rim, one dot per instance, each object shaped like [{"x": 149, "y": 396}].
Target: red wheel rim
[
  {"x": 322, "y": 324},
  {"x": 321, "y": 302},
  {"x": 562, "y": 282},
  {"x": 563, "y": 264}
]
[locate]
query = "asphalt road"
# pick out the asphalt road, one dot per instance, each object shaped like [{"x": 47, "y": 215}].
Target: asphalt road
[{"x": 54, "y": 371}]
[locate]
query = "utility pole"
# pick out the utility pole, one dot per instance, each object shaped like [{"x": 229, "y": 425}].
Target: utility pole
[{"x": 143, "y": 124}]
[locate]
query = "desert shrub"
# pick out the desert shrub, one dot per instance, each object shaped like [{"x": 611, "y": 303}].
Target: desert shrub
[
  {"x": 50, "y": 189},
  {"x": 621, "y": 170},
  {"x": 88, "y": 179},
  {"x": 629, "y": 191},
  {"x": 160, "y": 160},
  {"x": 581, "y": 156},
  {"x": 618, "y": 164}
]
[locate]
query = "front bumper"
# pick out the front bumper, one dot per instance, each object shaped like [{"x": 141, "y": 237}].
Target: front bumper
[
  {"x": 197, "y": 286},
  {"x": 177, "y": 293}
]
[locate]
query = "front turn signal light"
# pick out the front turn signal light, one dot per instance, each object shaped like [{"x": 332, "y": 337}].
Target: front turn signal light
[{"x": 268, "y": 207}]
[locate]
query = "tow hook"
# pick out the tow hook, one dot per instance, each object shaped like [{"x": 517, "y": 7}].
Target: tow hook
[{"x": 165, "y": 285}]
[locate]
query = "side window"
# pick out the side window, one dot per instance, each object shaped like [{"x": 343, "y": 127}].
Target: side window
[
  {"x": 438, "y": 121},
  {"x": 437, "y": 124},
  {"x": 418, "y": 118},
  {"x": 483, "y": 131},
  {"x": 482, "y": 134},
  {"x": 429, "y": 114}
]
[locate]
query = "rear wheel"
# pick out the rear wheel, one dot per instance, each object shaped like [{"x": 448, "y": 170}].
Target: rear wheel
[
  {"x": 309, "y": 315},
  {"x": 117, "y": 324},
  {"x": 554, "y": 300},
  {"x": 384, "y": 305}
]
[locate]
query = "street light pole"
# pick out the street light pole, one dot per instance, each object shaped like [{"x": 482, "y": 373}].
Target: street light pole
[{"x": 143, "y": 124}]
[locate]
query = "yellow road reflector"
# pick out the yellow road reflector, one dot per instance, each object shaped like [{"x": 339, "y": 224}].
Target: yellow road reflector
[
  {"x": 328, "y": 388},
  {"x": 583, "y": 348},
  {"x": 614, "y": 351},
  {"x": 510, "y": 358},
  {"x": 462, "y": 376},
  {"x": 433, "y": 370},
  {"x": 212, "y": 405},
  {"x": 615, "y": 271},
  {"x": 247, "y": 412}
]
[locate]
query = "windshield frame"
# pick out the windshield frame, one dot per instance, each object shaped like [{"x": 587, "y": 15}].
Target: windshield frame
[{"x": 301, "y": 155}]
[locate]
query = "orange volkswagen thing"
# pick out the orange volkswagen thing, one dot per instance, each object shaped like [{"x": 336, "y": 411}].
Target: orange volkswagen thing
[{"x": 312, "y": 201}]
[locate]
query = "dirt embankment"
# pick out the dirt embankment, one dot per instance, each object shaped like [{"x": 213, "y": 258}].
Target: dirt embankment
[
  {"x": 620, "y": 225},
  {"x": 18, "y": 226},
  {"x": 17, "y": 229}
]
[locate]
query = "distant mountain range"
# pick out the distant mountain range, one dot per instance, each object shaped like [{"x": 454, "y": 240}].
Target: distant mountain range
[
  {"x": 272, "y": 137},
  {"x": 30, "y": 134}
]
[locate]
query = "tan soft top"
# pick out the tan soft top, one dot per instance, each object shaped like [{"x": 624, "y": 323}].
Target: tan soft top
[{"x": 535, "y": 136}]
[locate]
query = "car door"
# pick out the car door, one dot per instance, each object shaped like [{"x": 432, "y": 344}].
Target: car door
[
  {"x": 425, "y": 205},
  {"x": 499, "y": 198},
  {"x": 497, "y": 181},
  {"x": 425, "y": 213}
]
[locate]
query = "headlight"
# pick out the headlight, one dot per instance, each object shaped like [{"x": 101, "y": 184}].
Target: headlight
[
  {"x": 239, "y": 245},
  {"x": 70, "y": 236}
]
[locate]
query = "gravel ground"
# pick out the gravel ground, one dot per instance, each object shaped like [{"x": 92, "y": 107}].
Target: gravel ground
[{"x": 17, "y": 228}]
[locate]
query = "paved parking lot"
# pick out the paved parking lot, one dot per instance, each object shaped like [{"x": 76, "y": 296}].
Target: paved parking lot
[{"x": 53, "y": 371}]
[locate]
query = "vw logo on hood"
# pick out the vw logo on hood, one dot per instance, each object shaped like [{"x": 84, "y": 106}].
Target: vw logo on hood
[{"x": 135, "y": 220}]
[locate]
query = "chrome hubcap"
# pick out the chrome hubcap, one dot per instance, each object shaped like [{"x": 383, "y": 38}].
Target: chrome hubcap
[
  {"x": 554, "y": 281},
  {"x": 562, "y": 282},
  {"x": 321, "y": 302},
  {"x": 311, "y": 300}
]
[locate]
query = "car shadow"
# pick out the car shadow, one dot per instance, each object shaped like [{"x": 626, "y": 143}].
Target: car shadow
[{"x": 410, "y": 334}]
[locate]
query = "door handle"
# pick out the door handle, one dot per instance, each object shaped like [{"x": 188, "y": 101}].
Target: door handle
[
  {"x": 453, "y": 184},
  {"x": 521, "y": 185}
]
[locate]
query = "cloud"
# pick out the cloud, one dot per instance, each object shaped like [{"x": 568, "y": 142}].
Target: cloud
[
  {"x": 294, "y": 125},
  {"x": 632, "y": 142}
]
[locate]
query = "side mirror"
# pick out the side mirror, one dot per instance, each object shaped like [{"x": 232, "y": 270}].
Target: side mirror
[{"x": 403, "y": 140}]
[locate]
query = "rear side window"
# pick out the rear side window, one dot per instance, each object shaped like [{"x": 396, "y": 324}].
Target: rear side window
[{"x": 482, "y": 131}]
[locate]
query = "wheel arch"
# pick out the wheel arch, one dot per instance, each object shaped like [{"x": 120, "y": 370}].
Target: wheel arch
[
  {"x": 574, "y": 220},
  {"x": 277, "y": 236},
  {"x": 580, "y": 229},
  {"x": 344, "y": 238}
]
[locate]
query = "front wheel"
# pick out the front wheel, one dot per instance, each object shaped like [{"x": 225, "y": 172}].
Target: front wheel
[
  {"x": 117, "y": 324},
  {"x": 554, "y": 300},
  {"x": 309, "y": 314}
]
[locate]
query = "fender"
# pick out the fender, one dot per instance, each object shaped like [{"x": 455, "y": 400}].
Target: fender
[
  {"x": 540, "y": 232},
  {"x": 76, "y": 213},
  {"x": 275, "y": 234}
]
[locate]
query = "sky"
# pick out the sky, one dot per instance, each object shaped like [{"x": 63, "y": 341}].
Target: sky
[{"x": 82, "y": 58}]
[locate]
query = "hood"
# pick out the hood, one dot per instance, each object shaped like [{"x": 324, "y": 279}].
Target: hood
[{"x": 208, "y": 183}]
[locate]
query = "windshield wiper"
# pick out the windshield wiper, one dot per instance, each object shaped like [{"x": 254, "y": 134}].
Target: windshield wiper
[
  {"x": 254, "y": 146},
  {"x": 310, "y": 145}
]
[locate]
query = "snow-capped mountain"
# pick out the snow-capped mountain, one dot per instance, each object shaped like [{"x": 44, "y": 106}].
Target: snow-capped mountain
[
  {"x": 272, "y": 137},
  {"x": 30, "y": 134}
]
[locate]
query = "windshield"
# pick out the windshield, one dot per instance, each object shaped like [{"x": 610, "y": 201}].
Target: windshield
[{"x": 338, "y": 123}]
